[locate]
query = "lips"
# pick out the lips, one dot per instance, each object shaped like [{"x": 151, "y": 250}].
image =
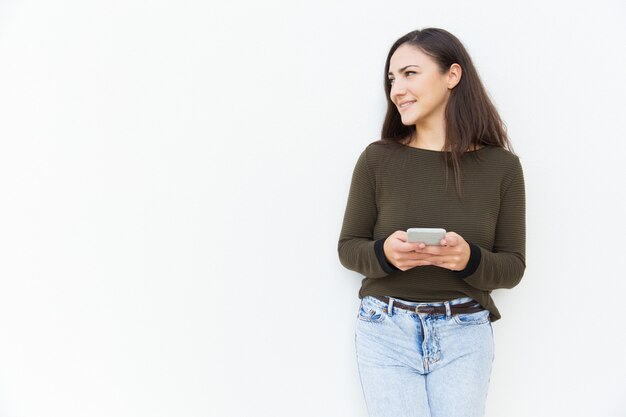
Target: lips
[{"x": 405, "y": 105}]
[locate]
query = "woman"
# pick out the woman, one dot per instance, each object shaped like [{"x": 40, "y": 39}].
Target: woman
[{"x": 424, "y": 340}]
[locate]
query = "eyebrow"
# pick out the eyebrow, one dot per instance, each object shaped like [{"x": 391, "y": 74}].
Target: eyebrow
[{"x": 403, "y": 68}]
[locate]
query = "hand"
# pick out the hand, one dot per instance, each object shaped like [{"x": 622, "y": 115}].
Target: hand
[
  {"x": 453, "y": 255},
  {"x": 402, "y": 254}
]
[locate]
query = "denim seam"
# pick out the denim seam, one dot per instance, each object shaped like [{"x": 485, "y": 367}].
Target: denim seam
[{"x": 470, "y": 323}]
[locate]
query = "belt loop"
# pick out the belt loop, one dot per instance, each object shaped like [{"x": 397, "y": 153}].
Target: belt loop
[
  {"x": 448, "y": 311},
  {"x": 390, "y": 307}
]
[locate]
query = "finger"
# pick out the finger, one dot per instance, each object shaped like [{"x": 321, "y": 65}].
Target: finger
[
  {"x": 439, "y": 260},
  {"x": 451, "y": 239},
  {"x": 445, "y": 265},
  {"x": 418, "y": 262},
  {"x": 410, "y": 247},
  {"x": 415, "y": 256},
  {"x": 402, "y": 241},
  {"x": 406, "y": 247},
  {"x": 432, "y": 250},
  {"x": 432, "y": 261},
  {"x": 402, "y": 236},
  {"x": 442, "y": 261},
  {"x": 448, "y": 262}
]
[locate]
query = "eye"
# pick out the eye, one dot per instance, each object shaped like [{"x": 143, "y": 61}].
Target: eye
[{"x": 405, "y": 72}]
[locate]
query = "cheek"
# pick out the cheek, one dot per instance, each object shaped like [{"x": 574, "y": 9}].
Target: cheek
[
  {"x": 435, "y": 97},
  {"x": 431, "y": 90}
]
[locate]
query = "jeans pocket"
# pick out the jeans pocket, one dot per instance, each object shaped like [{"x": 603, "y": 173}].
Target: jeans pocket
[
  {"x": 371, "y": 312},
  {"x": 479, "y": 317}
]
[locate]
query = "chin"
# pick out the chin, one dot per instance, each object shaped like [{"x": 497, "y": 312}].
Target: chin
[{"x": 409, "y": 121}]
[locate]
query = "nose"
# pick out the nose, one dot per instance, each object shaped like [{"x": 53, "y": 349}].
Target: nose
[{"x": 397, "y": 90}]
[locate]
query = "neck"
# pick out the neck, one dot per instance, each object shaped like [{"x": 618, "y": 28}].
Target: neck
[{"x": 429, "y": 135}]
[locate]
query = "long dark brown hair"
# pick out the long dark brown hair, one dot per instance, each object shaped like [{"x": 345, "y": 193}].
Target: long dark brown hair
[{"x": 470, "y": 116}]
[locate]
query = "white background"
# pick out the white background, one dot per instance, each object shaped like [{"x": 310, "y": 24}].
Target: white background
[{"x": 174, "y": 175}]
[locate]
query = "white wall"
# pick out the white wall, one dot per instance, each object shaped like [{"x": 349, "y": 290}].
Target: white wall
[{"x": 173, "y": 179}]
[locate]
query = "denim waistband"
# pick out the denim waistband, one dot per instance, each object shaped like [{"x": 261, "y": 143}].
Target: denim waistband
[
  {"x": 392, "y": 309},
  {"x": 421, "y": 303}
]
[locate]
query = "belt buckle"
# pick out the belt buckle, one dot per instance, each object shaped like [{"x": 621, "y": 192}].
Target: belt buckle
[{"x": 424, "y": 309}]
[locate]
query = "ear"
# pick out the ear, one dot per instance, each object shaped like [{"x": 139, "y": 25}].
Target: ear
[{"x": 454, "y": 75}]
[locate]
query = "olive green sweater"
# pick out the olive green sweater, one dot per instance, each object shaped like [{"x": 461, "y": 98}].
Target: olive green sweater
[{"x": 396, "y": 187}]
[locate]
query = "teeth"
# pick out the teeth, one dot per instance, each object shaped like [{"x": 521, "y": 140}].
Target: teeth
[{"x": 406, "y": 104}]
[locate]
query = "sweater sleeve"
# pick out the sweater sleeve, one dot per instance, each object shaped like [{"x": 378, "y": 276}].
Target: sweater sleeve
[
  {"x": 503, "y": 265},
  {"x": 356, "y": 246}
]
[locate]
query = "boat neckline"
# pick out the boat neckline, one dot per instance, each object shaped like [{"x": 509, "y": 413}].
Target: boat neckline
[{"x": 440, "y": 152}]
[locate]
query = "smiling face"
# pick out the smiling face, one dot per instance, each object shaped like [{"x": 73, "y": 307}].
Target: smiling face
[{"x": 415, "y": 80}]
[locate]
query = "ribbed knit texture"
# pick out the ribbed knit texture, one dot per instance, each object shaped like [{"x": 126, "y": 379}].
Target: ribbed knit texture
[{"x": 395, "y": 187}]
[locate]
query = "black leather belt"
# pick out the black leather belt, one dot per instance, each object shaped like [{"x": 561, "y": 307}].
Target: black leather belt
[{"x": 464, "y": 308}]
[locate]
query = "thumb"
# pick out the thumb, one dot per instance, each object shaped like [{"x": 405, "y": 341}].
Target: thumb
[
  {"x": 401, "y": 235},
  {"x": 450, "y": 239}
]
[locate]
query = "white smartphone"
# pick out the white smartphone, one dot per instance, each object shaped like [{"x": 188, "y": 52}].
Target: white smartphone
[{"x": 428, "y": 235}]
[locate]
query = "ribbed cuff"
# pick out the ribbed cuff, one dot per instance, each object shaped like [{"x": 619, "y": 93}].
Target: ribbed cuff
[
  {"x": 382, "y": 259},
  {"x": 472, "y": 264}
]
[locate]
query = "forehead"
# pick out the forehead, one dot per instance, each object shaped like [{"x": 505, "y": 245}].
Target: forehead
[{"x": 408, "y": 55}]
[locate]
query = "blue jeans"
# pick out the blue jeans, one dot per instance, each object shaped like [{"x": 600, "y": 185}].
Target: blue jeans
[{"x": 423, "y": 365}]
